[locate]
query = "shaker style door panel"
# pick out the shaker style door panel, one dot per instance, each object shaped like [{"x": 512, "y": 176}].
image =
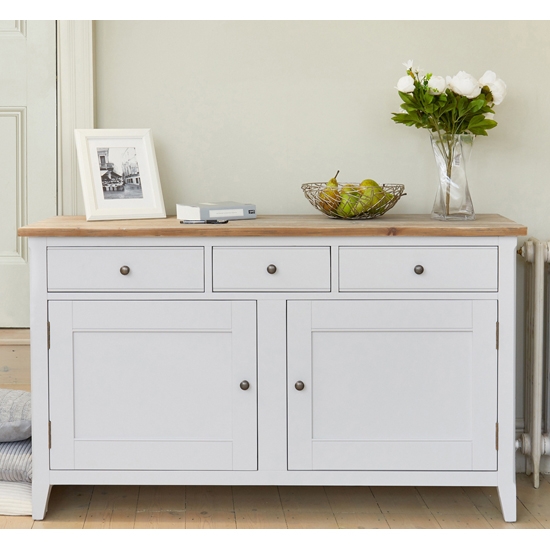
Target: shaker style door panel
[
  {"x": 153, "y": 385},
  {"x": 392, "y": 385}
]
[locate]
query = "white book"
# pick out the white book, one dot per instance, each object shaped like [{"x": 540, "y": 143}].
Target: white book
[{"x": 205, "y": 211}]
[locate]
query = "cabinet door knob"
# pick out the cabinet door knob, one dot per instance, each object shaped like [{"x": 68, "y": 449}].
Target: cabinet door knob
[
  {"x": 299, "y": 385},
  {"x": 271, "y": 268},
  {"x": 418, "y": 269},
  {"x": 125, "y": 270},
  {"x": 244, "y": 385}
]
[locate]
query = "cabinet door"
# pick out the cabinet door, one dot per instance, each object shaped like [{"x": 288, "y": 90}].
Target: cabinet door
[
  {"x": 392, "y": 385},
  {"x": 153, "y": 385}
]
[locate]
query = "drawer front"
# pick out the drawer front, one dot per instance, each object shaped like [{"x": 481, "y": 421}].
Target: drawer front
[
  {"x": 271, "y": 269},
  {"x": 418, "y": 269},
  {"x": 148, "y": 269}
]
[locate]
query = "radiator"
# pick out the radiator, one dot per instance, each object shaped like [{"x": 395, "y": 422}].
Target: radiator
[{"x": 534, "y": 443}]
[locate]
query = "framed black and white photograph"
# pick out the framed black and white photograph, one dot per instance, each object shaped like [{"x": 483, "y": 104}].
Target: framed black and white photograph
[{"x": 119, "y": 174}]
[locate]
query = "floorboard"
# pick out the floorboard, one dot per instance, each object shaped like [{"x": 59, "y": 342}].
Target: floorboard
[{"x": 161, "y": 507}]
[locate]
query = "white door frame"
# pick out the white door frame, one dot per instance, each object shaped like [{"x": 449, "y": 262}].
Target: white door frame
[{"x": 75, "y": 107}]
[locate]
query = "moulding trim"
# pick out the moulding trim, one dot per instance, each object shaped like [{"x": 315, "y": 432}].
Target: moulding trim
[
  {"x": 19, "y": 255},
  {"x": 75, "y": 107},
  {"x": 19, "y": 30}
]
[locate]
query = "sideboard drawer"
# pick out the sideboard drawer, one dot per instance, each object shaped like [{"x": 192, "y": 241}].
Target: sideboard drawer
[
  {"x": 271, "y": 269},
  {"x": 132, "y": 269},
  {"x": 418, "y": 268}
]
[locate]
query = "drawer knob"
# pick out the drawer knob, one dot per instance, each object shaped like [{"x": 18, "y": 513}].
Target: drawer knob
[
  {"x": 299, "y": 385},
  {"x": 244, "y": 385},
  {"x": 125, "y": 270},
  {"x": 271, "y": 268},
  {"x": 418, "y": 269}
]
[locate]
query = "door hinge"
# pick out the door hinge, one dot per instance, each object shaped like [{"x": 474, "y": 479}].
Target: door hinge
[
  {"x": 49, "y": 434},
  {"x": 496, "y": 436},
  {"x": 497, "y": 333},
  {"x": 48, "y": 335}
]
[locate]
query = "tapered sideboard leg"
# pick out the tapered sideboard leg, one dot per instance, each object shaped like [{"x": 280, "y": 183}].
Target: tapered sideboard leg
[
  {"x": 40, "y": 497},
  {"x": 508, "y": 503}
]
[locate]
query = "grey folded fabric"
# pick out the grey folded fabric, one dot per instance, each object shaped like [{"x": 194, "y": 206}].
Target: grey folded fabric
[
  {"x": 15, "y": 415},
  {"x": 16, "y": 461}
]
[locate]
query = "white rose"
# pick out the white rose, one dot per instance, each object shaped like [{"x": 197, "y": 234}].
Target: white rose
[
  {"x": 437, "y": 85},
  {"x": 465, "y": 84},
  {"x": 498, "y": 89},
  {"x": 496, "y": 85},
  {"x": 406, "y": 84},
  {"x": 487, "y": 79}
]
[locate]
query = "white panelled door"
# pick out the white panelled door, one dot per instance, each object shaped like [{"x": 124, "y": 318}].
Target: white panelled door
[
  {"x": 27, "y": 152},
  {"x": 153, "y": 385},
  {"x": 392, "y": 385}
]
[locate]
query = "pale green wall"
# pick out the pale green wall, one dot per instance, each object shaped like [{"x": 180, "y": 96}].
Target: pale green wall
[{"x": 249, "y": 110}]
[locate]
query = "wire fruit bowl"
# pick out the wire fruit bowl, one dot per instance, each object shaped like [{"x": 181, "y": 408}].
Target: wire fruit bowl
[{"x": 351, "y": 202}]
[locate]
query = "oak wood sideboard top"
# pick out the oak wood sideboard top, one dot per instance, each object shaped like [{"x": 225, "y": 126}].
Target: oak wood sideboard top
[{"x": 418, "y": 225}]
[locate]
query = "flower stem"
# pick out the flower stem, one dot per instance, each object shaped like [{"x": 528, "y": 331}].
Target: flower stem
[
  {"x": 449, "y": 159},
  {"x": 445, "y": 143}
]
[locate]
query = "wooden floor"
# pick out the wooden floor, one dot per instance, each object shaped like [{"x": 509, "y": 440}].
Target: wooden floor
[{"x": 226, "y": 507}]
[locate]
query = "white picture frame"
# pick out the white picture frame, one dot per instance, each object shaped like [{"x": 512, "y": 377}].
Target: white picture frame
[{"x": 119, "y": 174}]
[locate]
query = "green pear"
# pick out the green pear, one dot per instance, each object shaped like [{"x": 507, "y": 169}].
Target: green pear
[
  {"x": 332, "y": 181},
  {"x": 381, "y": 197},
  {"x": 368, "y": 183},
  {"x": 366, "y": 200},
  {"x": 329, "y": 197},
  {"x": 372, "y": 195},
  {"x": 388, "y": 197},
  {"x": 350, "y": 195}
]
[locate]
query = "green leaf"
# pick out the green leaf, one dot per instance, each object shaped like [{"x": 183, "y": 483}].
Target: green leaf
[
  {"x": 478, "y": 131},
  {"x": 479, "y": 124},
  {"x": 451, "y": 103},
  {"x": 402, "y": 118},
  {"x": 429, "y": 109},
  {"x": 462, "y": 106},
  {"x": 476, "y": 105},
  {"x": 407, "y": 98},
  {"x": 476, "y": 120},
  {"x": 409, "y": 108},
  {"x": 448, "y": 108}
]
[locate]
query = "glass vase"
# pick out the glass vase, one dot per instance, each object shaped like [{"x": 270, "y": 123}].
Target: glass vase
[{"x": 452, "y": 153}]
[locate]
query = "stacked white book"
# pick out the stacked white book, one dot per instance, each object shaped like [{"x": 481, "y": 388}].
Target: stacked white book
[{"x": 207, "y": 211}]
